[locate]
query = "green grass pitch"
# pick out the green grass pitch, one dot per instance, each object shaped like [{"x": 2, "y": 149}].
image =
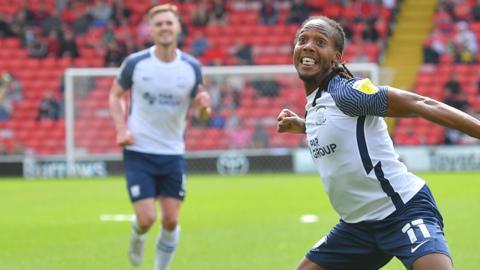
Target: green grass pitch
[{"x": 244, "y": 222}]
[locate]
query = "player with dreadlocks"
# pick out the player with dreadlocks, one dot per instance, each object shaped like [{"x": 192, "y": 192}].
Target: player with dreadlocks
[{"x": 385, "y": 211}]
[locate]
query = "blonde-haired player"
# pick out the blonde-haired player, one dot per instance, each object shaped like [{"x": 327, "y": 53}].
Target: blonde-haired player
[{"x": 164, "y": 83}]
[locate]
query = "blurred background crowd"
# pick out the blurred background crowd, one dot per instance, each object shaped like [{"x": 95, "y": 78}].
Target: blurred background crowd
[{"x": 39, "y": 39}]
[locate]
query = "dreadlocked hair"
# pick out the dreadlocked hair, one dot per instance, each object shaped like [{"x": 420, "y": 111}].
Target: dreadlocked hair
[
  {"x": 338, "y": 37},
  {"x": 343, "y": 71}
]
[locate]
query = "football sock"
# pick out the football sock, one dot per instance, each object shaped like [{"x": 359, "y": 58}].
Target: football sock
[
  {"x": 166, "y": 244},
  {"x": 135, "y": 228}
]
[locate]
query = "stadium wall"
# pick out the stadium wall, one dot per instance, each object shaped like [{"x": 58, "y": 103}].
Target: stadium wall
[{"x": 423, "y": 158}]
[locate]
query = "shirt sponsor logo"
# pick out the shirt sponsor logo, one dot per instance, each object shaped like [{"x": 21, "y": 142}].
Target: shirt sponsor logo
[{"x": 318, "y": 150}]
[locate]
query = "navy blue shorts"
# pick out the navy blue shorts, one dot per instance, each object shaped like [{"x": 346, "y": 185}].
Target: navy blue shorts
[
  {"x": 408, "y": 234},
  {"x": 150, "y": 175}
]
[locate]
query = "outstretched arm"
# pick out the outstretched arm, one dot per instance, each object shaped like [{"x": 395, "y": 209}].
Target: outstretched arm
[
  {"x": 288, "y": 121},
  {"x": 117, "y": 110},
  {"x": 404, "y": 104}
]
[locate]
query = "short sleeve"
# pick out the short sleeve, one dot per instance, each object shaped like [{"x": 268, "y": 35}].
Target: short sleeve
[
  {"x": 197, "y": 68},
  {"x": 124, "y": 77},
  {"x": 361, "y": 98}
]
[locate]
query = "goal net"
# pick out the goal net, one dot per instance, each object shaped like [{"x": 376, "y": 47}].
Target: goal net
[{"x": 246, "y": 101}]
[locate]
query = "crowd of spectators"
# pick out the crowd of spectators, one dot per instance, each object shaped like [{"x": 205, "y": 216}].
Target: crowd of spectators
[
  {"x": 453, "y": 41},
  {"x": 113, "y": 30},
  {"x": 451, "y": 37},
  {"x": 55, "y": 32}
]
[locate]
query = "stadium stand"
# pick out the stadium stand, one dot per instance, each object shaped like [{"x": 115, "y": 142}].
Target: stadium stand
[
  {"x": 434, "y": 74},
  {"x": 271, "y": 44}
]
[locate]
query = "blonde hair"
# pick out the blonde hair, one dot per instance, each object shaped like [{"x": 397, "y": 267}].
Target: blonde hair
[{"x": 163, "y": 8}]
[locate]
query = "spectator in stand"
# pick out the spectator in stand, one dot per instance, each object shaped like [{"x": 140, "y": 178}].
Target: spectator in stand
[
  {"x": 19, "y": 26},
  {"x": 129, "y": 46},
  {"x": 5, "y": 28},
  {"x": 299, "y": 12},
  {"x": 457, "y": 100},
  {"x": 183, "y": 34},
  {"x": 239, "y": 137},
  {"x": 347, "y": 28},
  {"x": 41, "y": 14},
  {"x": 369, "y": 10},
  {"x": 260, "y": 136},
  {"x": 101, "y": 12},
  {"x": 475, "y": 13},
  {"x": 120, "y": 12},
  {"x": 454, "y": 97},
  {"x": 72, "y": 12},
  {"x": 389, "y": 4},
  {"x": 230, "y": 97},
  {"x": 114, "y": 54},
  {"x": 217, "y": 12},
  {"x": 453, "y": 85},
  {"x": 38, "y": 47},
  {"x": 243, "y": 53},
  {"x": 10, "y": 91},
  {"x": 199, "y": 44},
  {"x": 383, "y": 28},
  {"x": 443, "y": 19},
  {"x": 49, "y": 107},
  {"x": 143, "y": 31},
  {"x": 215, "y": 94},
  {"x": 199, "y": 14},
  {"x": 370, "y": 33},
  {"x": 51, "y": 23},
  {"x": 268, "y": 12},
  {"x": 54, "y": 43},
  {"x": 434, "y": 47},
  {"x": 82, "y": 23},
  {"x": 233, "y": 121},
  {"x": 69, "y": 46},
  {"x": 266, "y": 87},
  {"x": 462, "y": 10},
  {"x": 465, "y": 44},
  {"x": 60, "y": 5},
  {"x": 216, "y": 120},
  {"x": 109, "y": 34},
  {"x": 27, "y": 13}
]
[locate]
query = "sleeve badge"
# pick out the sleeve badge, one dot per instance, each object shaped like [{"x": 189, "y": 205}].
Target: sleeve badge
[{"x": 365, "y": 86}]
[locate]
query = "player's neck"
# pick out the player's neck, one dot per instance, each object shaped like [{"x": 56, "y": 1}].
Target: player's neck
[
  {"x": 166, "y": 54},
  {"x": 311, "y": 85}
]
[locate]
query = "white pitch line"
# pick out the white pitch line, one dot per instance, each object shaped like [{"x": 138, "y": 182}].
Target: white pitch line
[
  {"x": 309, "y": 218},
  {"x": 115, "y": 217}
]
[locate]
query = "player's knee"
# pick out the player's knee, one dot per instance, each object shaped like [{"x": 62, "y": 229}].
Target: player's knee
[
  {"x": 169, "y": 223},
  {"x": 146, "y": 221},
  {"x": 434, "y": 261},
  {"x": 306, "y": 264}
]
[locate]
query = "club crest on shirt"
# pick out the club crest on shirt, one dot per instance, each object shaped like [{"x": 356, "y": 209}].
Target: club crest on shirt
[
  {"x": 365, "y": 86},
  {"x": 181, "y": 82},
  {"x": 318, "y": 116}
]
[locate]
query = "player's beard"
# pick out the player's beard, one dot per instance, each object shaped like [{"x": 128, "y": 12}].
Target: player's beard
[{"x": 315, "y": 77}]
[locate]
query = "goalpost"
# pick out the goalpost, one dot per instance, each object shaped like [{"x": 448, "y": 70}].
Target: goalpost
[{"x": 86, "y": 104}]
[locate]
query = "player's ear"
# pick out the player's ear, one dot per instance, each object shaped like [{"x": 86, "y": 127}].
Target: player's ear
[{"x": 338, "y": 57}]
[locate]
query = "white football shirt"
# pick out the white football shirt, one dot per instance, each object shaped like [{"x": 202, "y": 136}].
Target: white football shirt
[
  {"x": 350, "y": 145},
  {"x": 161, "y": 93}
]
